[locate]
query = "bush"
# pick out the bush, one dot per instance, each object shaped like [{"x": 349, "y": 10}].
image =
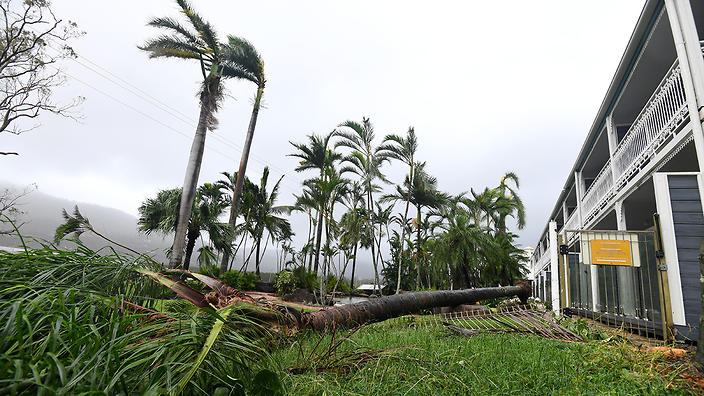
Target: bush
[
  {"x": 342, "y": 287},
  {"x": 305, "y": 279},
  {"x": 239, "y": 280},
  {"x": 212, "y": 271},
  {"x": 285, "y": 283}
]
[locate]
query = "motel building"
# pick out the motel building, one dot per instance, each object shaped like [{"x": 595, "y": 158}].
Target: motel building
[{"x": 622, "y": 242}]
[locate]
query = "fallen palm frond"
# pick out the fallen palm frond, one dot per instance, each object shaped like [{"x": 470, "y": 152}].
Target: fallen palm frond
[
  {"x": 79, "y": 321},
  {"x": 519, "y": 319}
]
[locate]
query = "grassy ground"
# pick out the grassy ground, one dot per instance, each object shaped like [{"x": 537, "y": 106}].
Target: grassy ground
[{"x": 438, "y": 363}]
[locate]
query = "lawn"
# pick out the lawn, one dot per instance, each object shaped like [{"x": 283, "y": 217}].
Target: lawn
[{"x": 435, "y": 362}]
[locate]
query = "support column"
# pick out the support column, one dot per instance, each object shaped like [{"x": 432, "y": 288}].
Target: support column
[
  {"x": 554, "y": 269},
  {"x": 612, "y": 135},
  {"x": 689, "y": 54},
  {"x": 579, "y": 188}
]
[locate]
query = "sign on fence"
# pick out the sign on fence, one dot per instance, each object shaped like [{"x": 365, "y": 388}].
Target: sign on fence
[{"x": 610, "y": 252}]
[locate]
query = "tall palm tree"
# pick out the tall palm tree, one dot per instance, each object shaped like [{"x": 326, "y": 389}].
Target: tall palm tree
[
  {"x": 267, "y": 218},
  {"x": 305, "y": 203},
  {"x": 316, "y": 155},
  {"x": 243, "y": 58},
  {"x": 161, "y": 214},
  {"x": 403, "y": 149},
  {"x": 513, "y": 205},
  {"x": 197, "y": 41},
  {"x": 424, "y": 193},
  {"x": 353, "y": 224},
  {"x": 365, "y": 161}
]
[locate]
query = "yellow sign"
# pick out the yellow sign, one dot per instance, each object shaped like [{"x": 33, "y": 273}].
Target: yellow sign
[{"x": 611, "y": 252}]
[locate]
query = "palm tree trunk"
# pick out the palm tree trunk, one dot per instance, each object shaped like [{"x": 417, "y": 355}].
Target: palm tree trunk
[
  {"x": 403, "y": 232},
  {"x": 370, "y": 204},
  {"x": 190, "y": 183},
  {"x": 191, "y": 238},
  {"x": 318, "y": 237},
  {"x": 387, "y": 307},
  {"x": 354, "y": 264},
  {"x": 243, "y": 168},
  {"x": 418, "y": 251},
  {"x": 256, "y": 261}
]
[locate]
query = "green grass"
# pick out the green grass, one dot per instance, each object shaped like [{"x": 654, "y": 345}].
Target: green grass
[{"x": 438, "y": 363}]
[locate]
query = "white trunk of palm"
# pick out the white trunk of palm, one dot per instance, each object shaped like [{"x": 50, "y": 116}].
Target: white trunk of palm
[
  {"x": 403, "y": 229},
  {"x": 242, "y": 169},
  {"x": 190, "y": 184}
]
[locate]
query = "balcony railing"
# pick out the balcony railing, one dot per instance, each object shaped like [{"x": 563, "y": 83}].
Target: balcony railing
[{"x": 659, "y": 120}]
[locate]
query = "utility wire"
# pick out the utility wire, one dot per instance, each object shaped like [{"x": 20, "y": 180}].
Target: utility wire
[{"x": 136, "y": 91}]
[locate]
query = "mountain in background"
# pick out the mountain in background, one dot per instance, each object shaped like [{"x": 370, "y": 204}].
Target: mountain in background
[{"x": 42, "y": 214}]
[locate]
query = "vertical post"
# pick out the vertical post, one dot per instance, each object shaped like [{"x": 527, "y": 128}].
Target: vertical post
[
  {"x": 554, "y": 266},
  {"x": 664, "y": 286},
  {"x": 689, "y": 54},
  {"x": 563, "y": 267},
  {"x": 626, "y": 286},
  {"x": 612, "y": 135},
  {"x": 579, "y": 188}
]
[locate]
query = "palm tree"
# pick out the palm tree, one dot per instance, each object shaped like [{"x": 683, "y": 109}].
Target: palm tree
[
  {"x": 199, "y": 42},
  {"x": 244, "y": 61},
  {"x": 161, "y": 214},
  {"x": 353, "y": 223},
  {"x": 404, "y": 150},
  {"x": 424, "y": 194},
  {"x": 365, "y": 161},
  {"x": 316, "y": 156},
  {"x": 305, "y": 203},
  {"x": 512, "y": 205},
  {"x": 266, "y": 218}
]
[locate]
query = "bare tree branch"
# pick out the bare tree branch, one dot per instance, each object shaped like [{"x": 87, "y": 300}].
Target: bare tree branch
[{"x": 32, "y": 44}]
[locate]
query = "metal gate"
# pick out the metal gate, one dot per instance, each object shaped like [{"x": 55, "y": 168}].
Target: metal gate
[{"x": 617, "y": 278}]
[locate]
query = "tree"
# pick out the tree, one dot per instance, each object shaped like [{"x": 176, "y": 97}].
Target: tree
[
  {"x": 316, "y": 156},
  {"x": 511, "y": 204},
  {"x": 266, "y": 217},
  {"x": 246, "y": 63},
  {"x": 77, "y": 224},
  {"x": 403, "y": 149},
  {"x": 32, "y": 45},
  {"x": 365, "y": 161},
  {"x": 197, "y": 41},
  {"x": 354, "y": 225},
  {"x": 424, "y": 193},
  {"x": 161, "y": 214}
]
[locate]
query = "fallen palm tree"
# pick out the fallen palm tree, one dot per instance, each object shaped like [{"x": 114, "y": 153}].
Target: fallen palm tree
[
  {"x": 388, "y": 307},
  {"x": 375, "y": 310}
]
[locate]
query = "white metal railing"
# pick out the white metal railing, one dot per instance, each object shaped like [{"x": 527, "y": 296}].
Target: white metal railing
[
  {"x": 572, "y": 222},
  {"x": 543, "y": 260},
  {"x": 659, "y": 120},
  {"x": 600, "y": 190}
]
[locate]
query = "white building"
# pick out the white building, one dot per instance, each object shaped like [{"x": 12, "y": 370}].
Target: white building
[{"x": 643, "y": 155}]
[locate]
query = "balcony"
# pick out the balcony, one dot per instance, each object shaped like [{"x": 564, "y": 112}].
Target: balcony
[{"x": 660, "y": 119}]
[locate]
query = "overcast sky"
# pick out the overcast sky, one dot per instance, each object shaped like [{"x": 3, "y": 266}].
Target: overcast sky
[{"x": 490, "y": 86}]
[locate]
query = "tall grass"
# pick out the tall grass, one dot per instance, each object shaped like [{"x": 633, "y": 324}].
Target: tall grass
[{"x": 67, "y": 329}]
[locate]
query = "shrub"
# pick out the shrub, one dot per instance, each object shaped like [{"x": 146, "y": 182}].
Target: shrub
[
  {"x": 305, "y": 279},
  {"x": 342, "y": 287},
  {"x": 240, "y": 280},
  {"x": 285, "y": 283},
  {"x": 212, "y": 271}
]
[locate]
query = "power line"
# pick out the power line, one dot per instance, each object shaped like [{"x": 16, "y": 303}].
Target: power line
[
  {"x": 169, "y": 127},
  {"x": 136, "y": 91}
]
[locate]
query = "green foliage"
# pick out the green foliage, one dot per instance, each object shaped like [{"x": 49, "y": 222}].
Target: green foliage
[
  {"x": 342, "y": 286},
  {"x": 212, "y": 271},
  {"x": 305, "y": 279},
  {"x": 69, "y": 327},
  {"x": 240, "y": 280},
  {"x": 285, "y": 283}
]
